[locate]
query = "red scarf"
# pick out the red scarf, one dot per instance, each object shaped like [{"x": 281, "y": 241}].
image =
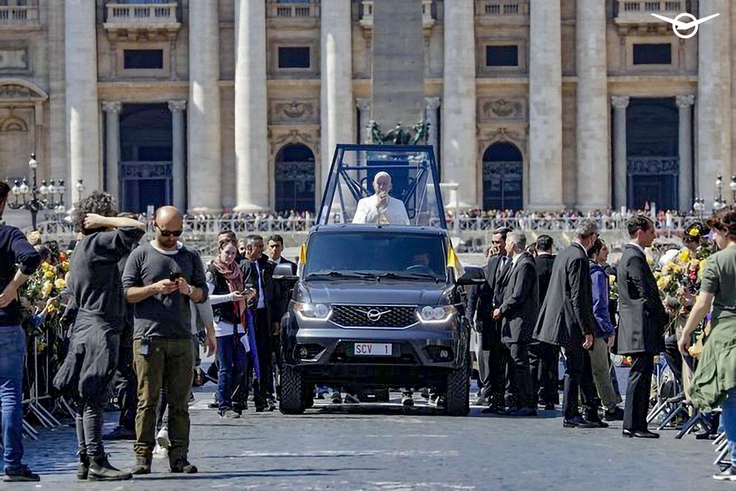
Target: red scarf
[{"x": 234, "y": 278}]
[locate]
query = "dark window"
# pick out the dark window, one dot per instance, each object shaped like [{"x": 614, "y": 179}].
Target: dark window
[
  {"x": 652, "y": 54},
  {"x": 143, "y": 59},
  {"x": 294, "y": 57},
  {"x": 502, "y": 55}
]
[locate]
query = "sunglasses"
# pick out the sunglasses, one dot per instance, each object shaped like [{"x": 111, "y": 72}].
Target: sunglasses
[{"x": 169, "y": 233}]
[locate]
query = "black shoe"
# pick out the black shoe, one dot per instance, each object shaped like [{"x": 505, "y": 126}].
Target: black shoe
[
  {"x": 120, "y": 433},
  {"x": 142, "y": 466},
  {"x": 578, "y": 422},
  {"x": 549, "y": 407},
  {"x": 615, "y": 414},
  {"x": 493, "y": 409},
  {"x": 597, "y": 422},
  {"x": 523, "y": 412},
  {"x": 83, "y": 467},
  {"x": 101, "y": 470},
  {"x": 639, "y": 434},
  {"x": 21, "y": 474},
  {"x": 182, "y": 466}
]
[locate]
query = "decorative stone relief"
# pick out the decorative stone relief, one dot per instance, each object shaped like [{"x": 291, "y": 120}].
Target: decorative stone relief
[
  {"x": 13, "y": 59},
  {"x": 294, "y": 112},
  {"x": 12, "y": 91},
  {"x": 502, "y": 108},
  {"x": 278, "y": 137},
  {"x": 13, "y": 122}
]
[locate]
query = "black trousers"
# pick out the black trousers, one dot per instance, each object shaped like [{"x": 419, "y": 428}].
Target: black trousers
[
  {"x": 126, "y": 383},
  {"x": 637, "y": 393},
  {"x": 263, "y": 344},
  {"x": 578, "y": 383},
  {"x": 493, "y": 360},
  {"x": 544, "y": 361},
  {"x": 519, "y": 375}
]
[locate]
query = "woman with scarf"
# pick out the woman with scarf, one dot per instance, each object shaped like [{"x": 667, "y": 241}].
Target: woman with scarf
[{"x": 228, "y": 297}]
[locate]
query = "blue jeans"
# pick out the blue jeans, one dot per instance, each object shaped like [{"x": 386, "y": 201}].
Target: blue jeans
[
  {"x": 231, "y": 360},
  {"x": 728, "y": 420},
  {"x": 12, "y": 355}
]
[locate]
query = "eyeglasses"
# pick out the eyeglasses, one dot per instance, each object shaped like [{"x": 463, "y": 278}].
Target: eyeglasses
[{"x": 169, "y": 233}]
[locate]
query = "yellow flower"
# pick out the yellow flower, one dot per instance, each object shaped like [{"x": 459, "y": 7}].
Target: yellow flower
[
  {"x": 47, "y": 287},
  {"x": 611, "y": 279},
  {"x": 684, "y": 255},
  {"x": 60, "y": 284},
  {"x": 694, "y": 232},
  {"x": 694, "y": 264},
  {"x": 51, "y": 308},
  {"x": 676, "y": 268},
  {"x": 663, "y": 282},
  {"x": 658, "y": 274},
  {"x": 702, "y": 263},
  {"x": 666, "y": 268},
  {"x": 48, "y": 275}
]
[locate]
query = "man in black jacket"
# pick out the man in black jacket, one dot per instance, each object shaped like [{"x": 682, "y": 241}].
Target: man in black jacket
[
  {"x": 641, "y": 324},
  {"x": 481, "y": 302},
  {"x": 544, "y": 357},
  {"x": 258, "y": 274},
  {"x": 18, "y": 260},
  {"x": 566, "y": 320},
  {"x": 518, "y": 315},
  {"x": 278, "y": 299}
]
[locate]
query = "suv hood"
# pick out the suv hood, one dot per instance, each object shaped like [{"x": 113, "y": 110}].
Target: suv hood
[{"x": 384, "y": 292}]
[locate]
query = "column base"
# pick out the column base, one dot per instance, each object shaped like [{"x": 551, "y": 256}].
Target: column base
[
  {"x": 558, "y": 206},
  {"x": 584, "y": 207},
  {"x": 251, "y": 208},
  {"x": 202, "y": 210}
]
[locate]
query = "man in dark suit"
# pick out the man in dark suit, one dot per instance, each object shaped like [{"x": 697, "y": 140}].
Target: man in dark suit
[
  {"x": 481, "y": 302},
  {"x": 566, "y": 320},
  {"x": 258, "y": 274},
  {"x": 544, "y": 357},
  {"x": 642, "y": 318},
  {"x": 518, "y": 315}
]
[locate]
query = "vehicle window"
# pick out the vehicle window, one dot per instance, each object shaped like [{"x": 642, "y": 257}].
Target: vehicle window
[{"x": 377, "y": 253}]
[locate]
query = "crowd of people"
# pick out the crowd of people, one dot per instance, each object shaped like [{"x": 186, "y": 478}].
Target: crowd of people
[
  {"x": 139, "y": 311},
  {"x": 535, "y": 304}
]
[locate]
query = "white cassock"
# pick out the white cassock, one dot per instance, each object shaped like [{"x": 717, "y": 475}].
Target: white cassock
[{"x": 369, "y": 212}]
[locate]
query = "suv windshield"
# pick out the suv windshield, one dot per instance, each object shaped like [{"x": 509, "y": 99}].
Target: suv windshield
[{"x": 368, "y": 255}]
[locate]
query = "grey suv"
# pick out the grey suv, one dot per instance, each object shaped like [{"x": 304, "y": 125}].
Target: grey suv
[{"x": 376, "y": 306}]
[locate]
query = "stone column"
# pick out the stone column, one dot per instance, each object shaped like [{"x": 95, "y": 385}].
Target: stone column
[
  {"x": 57, "y": 128},
  {"x": 251, "y": 107},
  {"x": 205, "y": 162},
  {"x": 620, "y": 163},
  {"x": 545, "y": 105},
  {"x": 459, "y": 143},
  {"x": 364, "y": 105},
  {"x": 685, "y": 151},
  {"x": 431, "y": 104},
  {"x": 112, "y": 146},
  {"x": 336, "y": 96},
  {"x": 178, "y": 155},
  {"x": 714, "y": 98},
  {"x": 82, "y": 106},
  {"x": 593, "y": 161}
]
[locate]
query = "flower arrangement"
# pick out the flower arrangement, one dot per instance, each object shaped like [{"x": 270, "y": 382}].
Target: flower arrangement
[{"x": 684, "y": 269}]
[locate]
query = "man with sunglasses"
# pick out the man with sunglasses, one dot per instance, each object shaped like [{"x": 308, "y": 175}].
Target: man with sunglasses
[{"x": 160, "y": 278}]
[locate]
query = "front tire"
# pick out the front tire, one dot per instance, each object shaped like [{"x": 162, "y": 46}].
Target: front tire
[
  {"x": 292, "y": 391},
  {"x": 458, "y": 391}
]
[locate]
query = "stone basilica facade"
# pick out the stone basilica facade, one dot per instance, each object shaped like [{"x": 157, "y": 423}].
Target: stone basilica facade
[{"x": 237, "y": 104}]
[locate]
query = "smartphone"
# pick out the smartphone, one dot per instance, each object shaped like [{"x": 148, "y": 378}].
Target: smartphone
[{"x": 173, "y": 276}]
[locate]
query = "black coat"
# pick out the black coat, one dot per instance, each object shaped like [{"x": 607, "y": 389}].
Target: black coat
[
  {"x": 480, "y": 302},
  {"x": 641, "y": 315},
  {"x": 567, "y": 312},
  {"x": 250, "y": 277},
  {"x": 519, "y": 308},
  {"x": 544, "y": 264}
]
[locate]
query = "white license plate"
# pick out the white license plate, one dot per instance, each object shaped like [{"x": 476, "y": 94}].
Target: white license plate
[{"x": 372, "y": 349}]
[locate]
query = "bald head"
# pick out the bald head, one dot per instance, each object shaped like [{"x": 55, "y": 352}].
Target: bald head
[
  {"x": 166, "y": 213},
  {"x": 169, "y": 222}
]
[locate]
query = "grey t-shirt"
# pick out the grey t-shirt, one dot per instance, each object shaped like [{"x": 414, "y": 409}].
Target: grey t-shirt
[
  {"x": 163, "y": 316},
  {"x": 94, "y": 274}
]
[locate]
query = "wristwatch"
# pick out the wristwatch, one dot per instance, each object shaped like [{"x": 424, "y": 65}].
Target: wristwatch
[{"x": 190, "y": 291}]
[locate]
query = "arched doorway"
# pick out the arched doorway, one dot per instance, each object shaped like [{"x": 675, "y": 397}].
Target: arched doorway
[
  {"x": 652, "y": 148},
  {"x": 294, "y": 177},
  {"x": 503, "y": 171}
]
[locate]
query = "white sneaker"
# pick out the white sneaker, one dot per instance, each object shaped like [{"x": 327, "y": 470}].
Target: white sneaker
[
  {"x": 727, "y": 475},
  {"x": 350, "y": 399},
  {"x": 407, "y": 400},
  {"x": 160, "y": 452},
  {"x": 229, "y": 414},
  {"x": 162, "y": 438}
]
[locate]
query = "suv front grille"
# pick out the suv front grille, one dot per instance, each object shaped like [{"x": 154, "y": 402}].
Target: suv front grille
[{"x": 374, "y": 315}]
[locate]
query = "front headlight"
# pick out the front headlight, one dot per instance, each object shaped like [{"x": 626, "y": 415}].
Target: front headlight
[
  {"x": 312, "y": 310},
  {"x": 430, "y": 314}
]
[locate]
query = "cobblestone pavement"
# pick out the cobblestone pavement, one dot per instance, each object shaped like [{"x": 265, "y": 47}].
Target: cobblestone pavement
[{"x": 379, "y": 447}]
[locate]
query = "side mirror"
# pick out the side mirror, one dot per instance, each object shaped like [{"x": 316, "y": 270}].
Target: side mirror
[
  {"x": 285, "y": 273},
  {"x": 472, "y": 276}
]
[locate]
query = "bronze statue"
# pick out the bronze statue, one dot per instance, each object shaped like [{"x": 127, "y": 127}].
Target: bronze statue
[{"x": 398, "y": 135}]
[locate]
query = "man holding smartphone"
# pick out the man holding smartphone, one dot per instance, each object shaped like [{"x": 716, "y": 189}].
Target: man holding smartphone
[{"x": 159, "y": 279}]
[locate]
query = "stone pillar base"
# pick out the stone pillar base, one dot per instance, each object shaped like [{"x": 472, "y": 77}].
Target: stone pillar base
[{"x": 250, "y": 208}]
